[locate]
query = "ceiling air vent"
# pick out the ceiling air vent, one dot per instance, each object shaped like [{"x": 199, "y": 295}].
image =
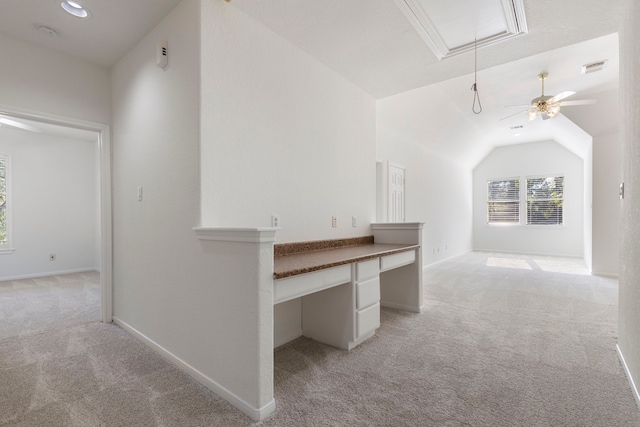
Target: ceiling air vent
[{"x": 594, "y": 66}]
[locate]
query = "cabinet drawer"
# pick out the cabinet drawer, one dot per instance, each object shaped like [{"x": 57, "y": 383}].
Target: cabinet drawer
[
  {"x": 304, "y": 284},
  {"x": 397, "y": 260},
  {"x": 368, "y": 293},
  {"x": 367, "y": 269},
  {"x": 367, "y": 320}
]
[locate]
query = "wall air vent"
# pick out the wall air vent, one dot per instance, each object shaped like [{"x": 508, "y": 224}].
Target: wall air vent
[{"x": 594, "y": 66}]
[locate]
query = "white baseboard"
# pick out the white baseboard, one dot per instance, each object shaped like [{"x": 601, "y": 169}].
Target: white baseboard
[
  {"x": 401, "y": 307},
  {"x": 424, "y": 267},
  {"x": 283, "y": 340},
  {"x": 256, "y": 414},
  {"x": 50, "y": 273},
  {"x": 634, "y": 389},
  {"x": 602, "y": 274}
]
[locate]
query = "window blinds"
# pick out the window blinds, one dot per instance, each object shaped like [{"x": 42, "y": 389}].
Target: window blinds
[
  {"x": 545, "y": 200},
  {"x": 503, "y": 201}
]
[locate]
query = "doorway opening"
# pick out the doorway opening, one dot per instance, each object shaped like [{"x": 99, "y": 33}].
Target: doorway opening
[{"x": 72, "y": 127}]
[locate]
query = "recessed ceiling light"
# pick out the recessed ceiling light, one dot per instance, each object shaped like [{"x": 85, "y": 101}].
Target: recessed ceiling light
[{"x": 75, "y": 9}]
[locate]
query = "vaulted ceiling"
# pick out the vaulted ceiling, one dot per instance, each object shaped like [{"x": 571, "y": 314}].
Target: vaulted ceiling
[{"x": 378, "y": 46}]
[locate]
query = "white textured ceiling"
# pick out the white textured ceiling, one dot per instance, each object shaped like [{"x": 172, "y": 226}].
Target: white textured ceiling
[
  {"x": 115, "y": 26},
  {"x": 372, "y": 44}
]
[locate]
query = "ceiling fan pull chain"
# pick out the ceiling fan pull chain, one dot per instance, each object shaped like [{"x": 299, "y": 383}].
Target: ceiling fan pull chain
[
  {"x": 474, "y": 87},
  {"x": 476, "y": 99}
]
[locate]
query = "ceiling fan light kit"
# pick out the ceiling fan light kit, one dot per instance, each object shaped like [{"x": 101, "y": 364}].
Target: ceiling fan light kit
[{"x": 548, "y": 107}]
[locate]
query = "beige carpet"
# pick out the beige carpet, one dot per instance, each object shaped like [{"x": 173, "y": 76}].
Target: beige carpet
[{"x": 504, "y": 341}]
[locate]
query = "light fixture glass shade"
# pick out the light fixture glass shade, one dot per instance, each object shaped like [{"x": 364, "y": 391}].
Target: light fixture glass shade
[
  {"x": 533, "y": 114},
  {"x": 74, "y": 9},
  {"x": 553, "y": 109}
]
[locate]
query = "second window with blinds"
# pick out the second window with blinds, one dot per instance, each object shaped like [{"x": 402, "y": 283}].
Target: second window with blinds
[{"x": 541, "y": 198}]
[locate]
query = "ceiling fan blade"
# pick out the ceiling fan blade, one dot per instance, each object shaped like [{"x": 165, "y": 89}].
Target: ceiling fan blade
[
  {"x": 580, "y": 102},
  {"x": 19, "y": 125},
  {"x": 545, "y": 116},
  {"x": 561, "y": 95},
  {"x": 511, "y": 115}
]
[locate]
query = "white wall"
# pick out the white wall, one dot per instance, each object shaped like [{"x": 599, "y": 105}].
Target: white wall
[
  {"x": 281, "y": 134},
  {"x": 533, "y": 159},
  {"x": 42, "y": 80},
  {"x": 629, "y": 299},
  {"x": 277, "y": 132},
  {"x": 437, "y": 191},
  {"x": 54, "y": 204},
  {"x": 157, "y": 286},
  {"x": 606, "y": 204}
]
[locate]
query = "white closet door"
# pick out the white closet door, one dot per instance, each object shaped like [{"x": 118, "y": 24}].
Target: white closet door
[{"x": 396, "y": 193}]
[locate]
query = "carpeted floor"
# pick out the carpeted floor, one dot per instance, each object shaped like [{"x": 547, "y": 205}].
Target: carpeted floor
[{"x": 504, "y": 341}]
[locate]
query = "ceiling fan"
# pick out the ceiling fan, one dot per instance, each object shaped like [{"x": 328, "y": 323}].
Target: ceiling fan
[
  {"x": 6, "y": 121},
  {"x": 548, "y": 106}
]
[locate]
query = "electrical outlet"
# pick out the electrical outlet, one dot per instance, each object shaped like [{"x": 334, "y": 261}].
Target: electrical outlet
[
  {"x": 354, "y": 221},
  {"x": 52, "y": 257},
  {"x": 334, "y": 221},
  {"x": 275, "y": 220}
]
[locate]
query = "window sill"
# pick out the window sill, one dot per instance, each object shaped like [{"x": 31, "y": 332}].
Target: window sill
[{"x": 6, "y": 251}]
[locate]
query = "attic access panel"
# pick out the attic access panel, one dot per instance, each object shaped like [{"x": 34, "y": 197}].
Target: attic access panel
[{"x": 451, "y": 27}]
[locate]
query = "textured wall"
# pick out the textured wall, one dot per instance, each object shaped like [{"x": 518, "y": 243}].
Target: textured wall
[
  {"x": 606, "y": 205},
  {"x": 629, "y": 307},
  {"x": 55, "y": 204},
  {"x": 281, "y": 134},
  {"x": 40, "y": 79},
  {"x": 532, "y": 159},
  {"x": 445, "y": 209}
]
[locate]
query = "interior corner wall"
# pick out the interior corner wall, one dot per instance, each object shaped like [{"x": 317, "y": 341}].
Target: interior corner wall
[
  {"x": 445, "y": 209},
  {"x": 193, "y": 301},
  {"x": 54, "y": 204},
  {"x": 629, "y": 282},
  {"x": 523, "y": 160},
  {"x": 606, "y": 205},
  {"x": 156, "y": 283},
  {"x": 42, "y": 80},
  {"x": 587, "y": 224},
  {"x": 281, "y": 134}
]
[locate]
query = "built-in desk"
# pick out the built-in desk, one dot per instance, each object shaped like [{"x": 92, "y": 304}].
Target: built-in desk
[
  {"x": 339, "y": 282},
  {"x": 336, "y": 297}
]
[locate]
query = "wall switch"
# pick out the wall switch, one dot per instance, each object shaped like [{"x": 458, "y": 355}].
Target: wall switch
[
  {"x": 354, "y": 221},
  {"x": 139, "y": 194},
  {"x": 52, "y": 257},
  {"x": 334, "y": 221},
  {"x": 275, "y": 220}
]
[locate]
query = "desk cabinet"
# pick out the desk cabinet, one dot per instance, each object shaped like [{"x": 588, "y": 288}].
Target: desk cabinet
[
  {"x": 345, "y": 315},
  {"x": 340, "y": 305},
  {"x": 367, "y": 307}
]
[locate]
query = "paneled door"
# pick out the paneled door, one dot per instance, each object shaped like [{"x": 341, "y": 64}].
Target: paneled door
[{"x": 396, "y": 193}]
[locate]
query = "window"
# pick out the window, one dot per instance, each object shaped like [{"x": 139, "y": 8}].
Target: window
[
  {"x": 503, "y": 201},
  {"x": 4, "y": 204},
  {"x": 545, "y": 200}
]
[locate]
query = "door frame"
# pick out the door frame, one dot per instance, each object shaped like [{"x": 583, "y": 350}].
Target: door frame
[{"x": 106, "y": 231}]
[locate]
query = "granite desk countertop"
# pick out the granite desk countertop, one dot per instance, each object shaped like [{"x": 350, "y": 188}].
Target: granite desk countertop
[{"x": 314, "y": 260}]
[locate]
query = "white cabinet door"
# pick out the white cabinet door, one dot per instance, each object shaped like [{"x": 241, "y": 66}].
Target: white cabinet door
[{"x": 396, "y": 193}]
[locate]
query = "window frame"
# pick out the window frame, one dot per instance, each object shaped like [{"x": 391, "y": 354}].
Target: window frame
[
  {"x": 517, "y": 202},
  {"x": 7, "y": 247},
  {"x": 527, "y": 201}
]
